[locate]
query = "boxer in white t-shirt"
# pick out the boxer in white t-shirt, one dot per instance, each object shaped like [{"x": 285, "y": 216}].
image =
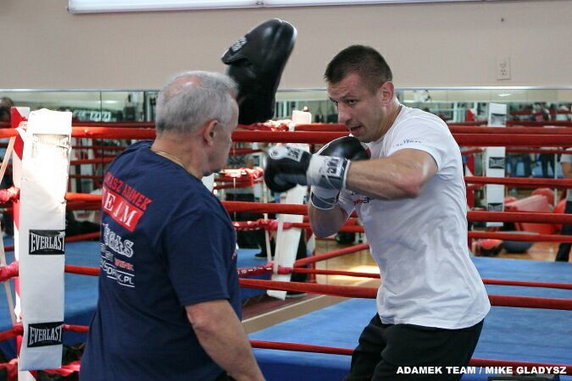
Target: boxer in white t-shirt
[{"x": 410, "y": 197}]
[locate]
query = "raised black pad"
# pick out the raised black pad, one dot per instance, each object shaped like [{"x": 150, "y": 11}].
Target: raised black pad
[{"x": 256, "y": 62}]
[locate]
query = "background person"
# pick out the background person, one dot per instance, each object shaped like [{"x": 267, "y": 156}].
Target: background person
[
  {"x": 411, "y": 200},
  {"x": 169, "y": 302},
  {"x": 5, "y": 105},
  {"x": 7, "y": 220}
]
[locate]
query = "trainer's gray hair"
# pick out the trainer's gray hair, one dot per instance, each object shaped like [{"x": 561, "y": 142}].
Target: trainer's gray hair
[{"x": 192, "y": 98}]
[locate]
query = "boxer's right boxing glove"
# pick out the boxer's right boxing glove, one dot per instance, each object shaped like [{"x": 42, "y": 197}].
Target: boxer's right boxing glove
[
  {"x": 289, "y": 165},
  {"x": 286, "y": 167},
  {"x": 347, "y": 147}
]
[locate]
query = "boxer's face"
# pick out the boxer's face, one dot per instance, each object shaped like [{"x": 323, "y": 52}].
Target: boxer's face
[{"x": 359, "y": 109}]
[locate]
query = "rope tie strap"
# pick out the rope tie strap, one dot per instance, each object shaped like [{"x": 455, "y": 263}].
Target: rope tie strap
[{"x": 8, "y": 195}]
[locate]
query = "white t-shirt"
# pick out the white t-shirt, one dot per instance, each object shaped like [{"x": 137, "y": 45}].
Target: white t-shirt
[{"x": 420, "y": 244}]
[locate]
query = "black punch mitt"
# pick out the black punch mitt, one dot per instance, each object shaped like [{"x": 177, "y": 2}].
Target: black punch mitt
[{"x": 256, "y": 61}]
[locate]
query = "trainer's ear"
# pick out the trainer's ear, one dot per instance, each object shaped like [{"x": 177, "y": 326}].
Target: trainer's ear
[
  {"x": 209, "y": 131},
  {"x": 256, "y": 61}
]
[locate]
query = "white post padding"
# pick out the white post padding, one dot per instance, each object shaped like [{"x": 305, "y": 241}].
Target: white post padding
[
  {"x": 495, "y": 163},
  {"x": 287, "y": 240},
  {"x": 39, "y": 244}
]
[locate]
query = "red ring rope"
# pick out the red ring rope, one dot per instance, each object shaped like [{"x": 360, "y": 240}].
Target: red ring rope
[
  {"x": 371, "y": 292},
  {"x": 244, "y": 206},
  {"x": 348, "y": 352},
  {"x": 535, "y": 138}
]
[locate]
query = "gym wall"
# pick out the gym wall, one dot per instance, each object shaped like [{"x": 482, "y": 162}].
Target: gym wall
[{"x": 456, "y": 44}]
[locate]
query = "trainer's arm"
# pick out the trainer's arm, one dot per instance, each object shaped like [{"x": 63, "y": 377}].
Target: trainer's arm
[
  {"x": 222, "y": 336},
  {"x": 400, "y": 175}
]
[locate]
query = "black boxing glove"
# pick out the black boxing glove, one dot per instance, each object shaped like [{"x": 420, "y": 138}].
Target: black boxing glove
[
  {"x": 256, "y": 62},
  {"x": 288, "y": 166},
  {"x": 347, "y": 147}
]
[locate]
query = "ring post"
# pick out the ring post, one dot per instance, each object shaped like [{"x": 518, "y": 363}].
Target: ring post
[
  {"x": 287, "y": 240},
  {"x": 42, "y": 177}
]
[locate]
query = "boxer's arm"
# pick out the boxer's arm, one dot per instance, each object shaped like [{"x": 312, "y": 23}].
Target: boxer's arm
[
  {"x": 222, "y": 336},
  {"x": 324, "y": 223},
  {"x": 400, "y": 175}
]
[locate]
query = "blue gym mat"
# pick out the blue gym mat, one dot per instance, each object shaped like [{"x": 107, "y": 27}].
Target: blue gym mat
[
  {"x": 511, "y": 334},
  {"x": 81, "y": 290}
]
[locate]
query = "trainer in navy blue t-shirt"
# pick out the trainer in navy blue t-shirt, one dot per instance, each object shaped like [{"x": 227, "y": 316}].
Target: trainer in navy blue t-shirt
[{"x": 166, "y": 242}]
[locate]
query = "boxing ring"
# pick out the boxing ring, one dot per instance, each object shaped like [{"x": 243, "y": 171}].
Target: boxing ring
[
  {"x": 510, "y": 335},
  {"x": 528, "y": 330},
  {"x": 81, "y": 291}
]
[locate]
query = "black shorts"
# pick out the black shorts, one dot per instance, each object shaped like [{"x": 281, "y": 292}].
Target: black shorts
[{"x": 402, "y": 351}]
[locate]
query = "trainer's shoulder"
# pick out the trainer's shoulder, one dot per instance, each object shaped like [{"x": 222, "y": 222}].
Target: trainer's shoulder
[
  {"x": 198, "y": 199},
  {"x": 136, "y": 147}
]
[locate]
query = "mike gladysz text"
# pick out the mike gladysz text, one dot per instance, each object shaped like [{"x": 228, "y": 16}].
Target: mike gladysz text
[{"x": 481, "y": 370}]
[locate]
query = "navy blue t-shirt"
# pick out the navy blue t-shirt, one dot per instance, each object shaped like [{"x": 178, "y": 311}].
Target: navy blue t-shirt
[{"x": 166, "y": 242}]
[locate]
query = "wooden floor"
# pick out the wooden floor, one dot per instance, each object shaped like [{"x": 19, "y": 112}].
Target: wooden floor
[
  {"x": 261, "y": 312},
  {"x": 540, "y": 251}
]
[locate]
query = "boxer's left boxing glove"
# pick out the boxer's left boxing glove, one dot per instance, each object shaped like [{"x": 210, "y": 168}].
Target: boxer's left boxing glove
[
  {"x": 347, "y": 147},
  {"x": 288, "y": 166}
]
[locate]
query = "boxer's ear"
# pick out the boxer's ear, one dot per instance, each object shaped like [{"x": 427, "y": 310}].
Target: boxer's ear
[{"x": 256, "y": 62}]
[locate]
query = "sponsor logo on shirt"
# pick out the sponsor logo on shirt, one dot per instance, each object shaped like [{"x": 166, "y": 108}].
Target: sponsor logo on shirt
[
  {"x": 46, "y": 242},
  {"x": 123, "y": 203},
  {"x": 408, "y": 141},
  {"x": 115, "y": 254},
  {"x": 44, "y": 334},
  {"x": 116, "y": 243},
  {"x": 361, "y": 200},
  {"x": 120, "y": 210},
  {"x": 123, "y": 278}
]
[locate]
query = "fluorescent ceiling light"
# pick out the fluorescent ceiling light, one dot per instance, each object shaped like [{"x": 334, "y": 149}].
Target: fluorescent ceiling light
[
  {"x": 285, "y": 3},
  {"x": 101, "y": 6}
]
